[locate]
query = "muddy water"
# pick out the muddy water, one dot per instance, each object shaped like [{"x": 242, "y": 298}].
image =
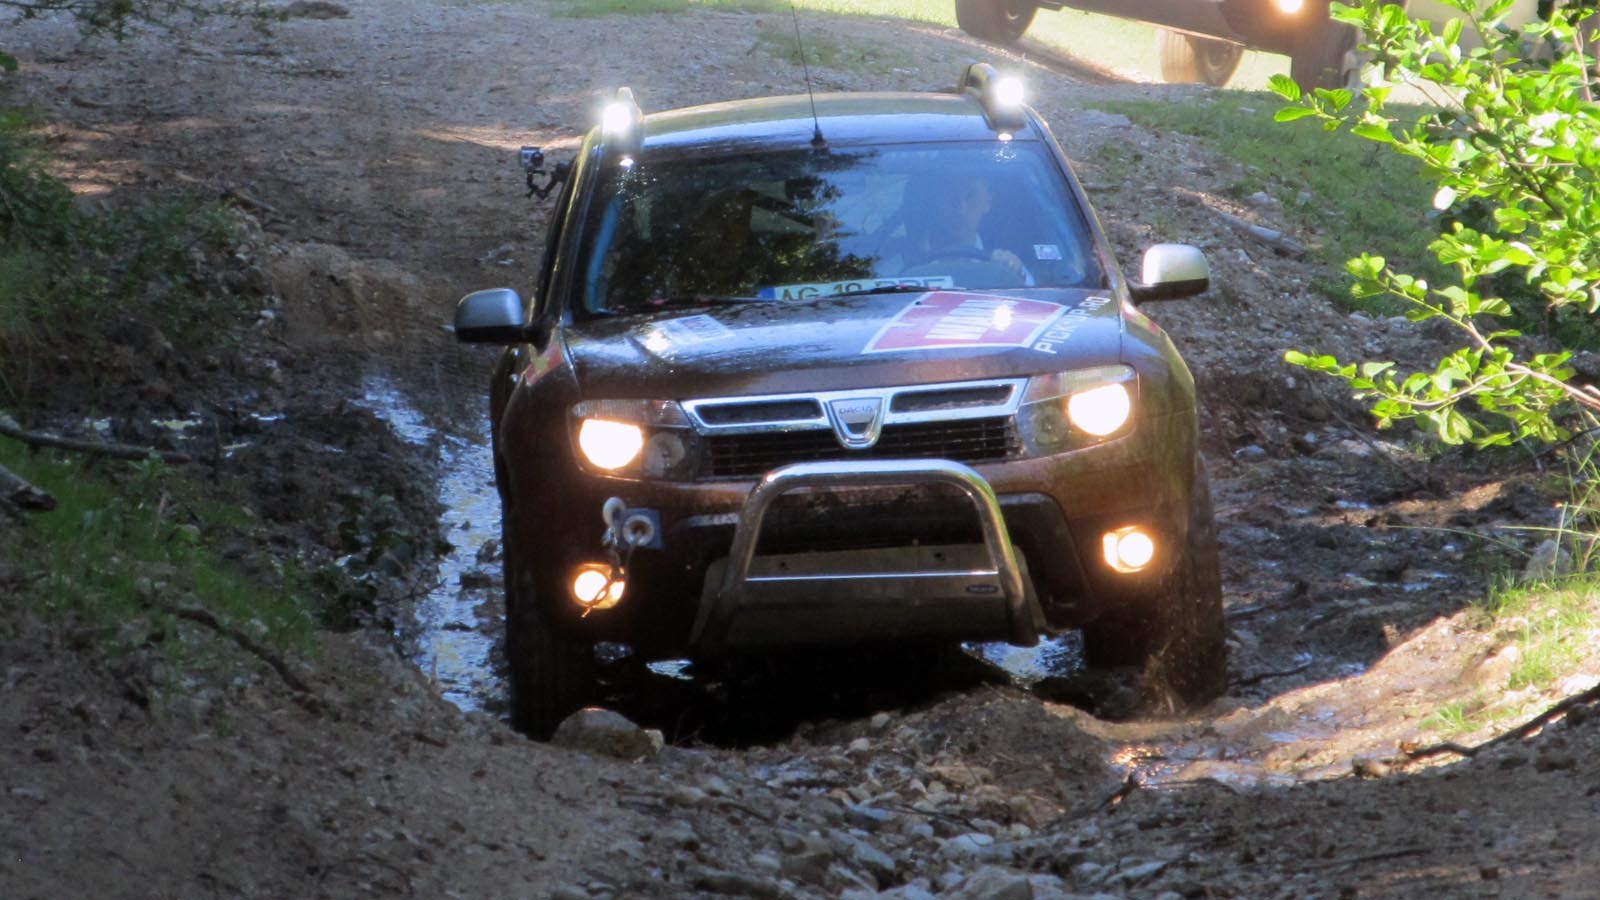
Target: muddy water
[{"x": 456, "y": 624}]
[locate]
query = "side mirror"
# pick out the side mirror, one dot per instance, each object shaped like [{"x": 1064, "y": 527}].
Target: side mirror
[
  {"x": 1172, "y": 272},
  {"x": 494, "y": 316}
]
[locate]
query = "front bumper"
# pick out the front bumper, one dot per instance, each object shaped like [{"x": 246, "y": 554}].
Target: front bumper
[{"x": 973, "y": 591}]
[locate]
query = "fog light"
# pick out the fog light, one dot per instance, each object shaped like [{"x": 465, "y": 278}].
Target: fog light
[
  {"x": 593, "y": 587},
  {"x": 1128, "y": 550}
]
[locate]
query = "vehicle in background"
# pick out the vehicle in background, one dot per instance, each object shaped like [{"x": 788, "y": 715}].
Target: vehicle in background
[{"x": 1203, "y": 40}]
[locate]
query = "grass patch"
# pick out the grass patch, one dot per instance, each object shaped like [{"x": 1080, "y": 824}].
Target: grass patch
[
  {"x": 1554, "y": 627},
  {"x": 127, "y": 538},
  {"x": 1356, "y": 194}
]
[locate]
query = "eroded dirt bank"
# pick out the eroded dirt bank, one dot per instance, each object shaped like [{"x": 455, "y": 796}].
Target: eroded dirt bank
[{"x": 376, "y": 150}]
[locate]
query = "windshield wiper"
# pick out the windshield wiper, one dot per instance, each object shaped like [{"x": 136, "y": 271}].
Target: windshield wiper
[{"x": 711, "y": 300}]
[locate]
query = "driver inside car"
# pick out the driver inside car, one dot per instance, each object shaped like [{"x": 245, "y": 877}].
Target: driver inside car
[{"x": 948, "y": 226}]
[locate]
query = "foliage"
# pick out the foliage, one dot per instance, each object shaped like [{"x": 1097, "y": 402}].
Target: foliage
[
  {"x": 118, "y": 17},
  {"x": 72, "y": 273},
  {"x": 1310, "y": 174},
  {"x": 1521, "y": 138},
  {"x": 128, "y": 538}
]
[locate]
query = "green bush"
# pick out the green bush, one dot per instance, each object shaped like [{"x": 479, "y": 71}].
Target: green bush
[{"x": 1519, "y": 139}]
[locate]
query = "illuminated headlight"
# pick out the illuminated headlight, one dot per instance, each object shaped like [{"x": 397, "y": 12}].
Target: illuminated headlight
[
  {"x": 1290, "y": 7},
  {"x": 651, "y": 438},
  {"x": 1066, "y": 410},
  {"x": 610, "y": 445},
  {"x": 1100, "y": 411}
]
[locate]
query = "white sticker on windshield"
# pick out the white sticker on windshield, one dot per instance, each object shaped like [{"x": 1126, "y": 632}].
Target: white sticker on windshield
[
  {"x": 1046, "y": 251},
  {"x": 856, "y": 286}
]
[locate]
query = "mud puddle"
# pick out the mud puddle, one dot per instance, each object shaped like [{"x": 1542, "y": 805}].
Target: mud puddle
[{"x": 457, "y": 622}]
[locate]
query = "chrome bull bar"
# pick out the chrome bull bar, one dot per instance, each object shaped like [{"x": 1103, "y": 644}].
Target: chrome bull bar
[{"x": 968, "y": 591}]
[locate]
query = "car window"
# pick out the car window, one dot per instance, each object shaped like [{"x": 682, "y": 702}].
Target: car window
[{"x": 797, "y": 224}]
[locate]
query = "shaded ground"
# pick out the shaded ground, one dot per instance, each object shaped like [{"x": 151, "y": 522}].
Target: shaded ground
[{"x": 377, "y": 153}]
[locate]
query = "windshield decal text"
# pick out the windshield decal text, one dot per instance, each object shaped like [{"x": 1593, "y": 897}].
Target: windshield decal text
[{"x": 940, "y": 319}]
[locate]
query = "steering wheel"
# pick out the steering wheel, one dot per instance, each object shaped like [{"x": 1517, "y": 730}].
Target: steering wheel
[
  {"x": 973, "y": 253},
  {"x": 970, "y": 266}
]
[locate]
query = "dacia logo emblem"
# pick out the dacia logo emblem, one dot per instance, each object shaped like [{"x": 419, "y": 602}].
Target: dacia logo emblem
[{"x": 857, "y": 421}]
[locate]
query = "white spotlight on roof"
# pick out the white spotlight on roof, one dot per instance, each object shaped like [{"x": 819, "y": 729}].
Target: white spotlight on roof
[{"x": 1008, "y": 89}]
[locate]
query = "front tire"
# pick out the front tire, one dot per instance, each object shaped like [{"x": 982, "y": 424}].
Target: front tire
[
  {"x": 1324, "y": 56},
  {"x": 1186, "y": 59},
  {"x": 995, "y": 21},
  {"x": 1178, "y": 641},
  {"x": 552, "y": 673}
]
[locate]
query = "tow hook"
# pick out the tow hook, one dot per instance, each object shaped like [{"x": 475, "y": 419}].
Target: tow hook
[{"x": 601, "y": 585}]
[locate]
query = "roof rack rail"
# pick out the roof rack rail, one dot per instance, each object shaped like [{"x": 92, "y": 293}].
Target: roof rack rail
[
  {"x": 1000, "y": 95},
  {"x": 622, "y": 126}
]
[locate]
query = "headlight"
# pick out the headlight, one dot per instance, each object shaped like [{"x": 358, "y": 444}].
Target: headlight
[
  {"x": 610, "y": 445},
  {"x": 1100, "y": 411},
  {"x": 1066, "y": 410},
  {"x": 636, "y": 437}
]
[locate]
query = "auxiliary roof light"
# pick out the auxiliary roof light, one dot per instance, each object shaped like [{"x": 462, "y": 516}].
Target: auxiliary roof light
[
  {"x": 622, "y": 124},
  {"x": 1290, "y": 7},
  {"x": 1002, "y": 96}
]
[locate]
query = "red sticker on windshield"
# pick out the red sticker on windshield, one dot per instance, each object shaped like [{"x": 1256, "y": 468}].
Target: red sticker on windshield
[{"x": 942, "y": 319}]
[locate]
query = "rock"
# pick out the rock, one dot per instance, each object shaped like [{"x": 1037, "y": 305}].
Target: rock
[
  {"x": 716, "y": 786},
  {"x": 920, "y": 889},
  {"x": 994, "y": 883},
  {"x": 1139, "y": 872},
  {"x": 629, "y": 848},
  {"x": 1094, "y": 118},
  {"x": 1263, "y": 200},
  {"x": 1251, "y": 453},
  {"x": 874, "y": 862},
  {"x": 569, "y": 892},
  {"x": 976, "y": 846},
  {"x": 678, "y": 835},
  {"x": 806, "y": 857},
  {"x": 315, "y": 9},
  {"x": 1548, "y": 561},
  {"x": 866, "y": 818},
  {"x": 475, "y": 578},
  {"x": 716, "y": 881},
  {"x": 879, "y": 722},
  {"x": 606, "y": 733}
]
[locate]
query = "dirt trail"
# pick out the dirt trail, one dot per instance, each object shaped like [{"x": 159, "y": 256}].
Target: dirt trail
[{"x": 377, "y": 150}]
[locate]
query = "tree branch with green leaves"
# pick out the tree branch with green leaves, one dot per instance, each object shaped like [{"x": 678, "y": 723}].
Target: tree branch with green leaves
[{"x": 1513, "y": 142}]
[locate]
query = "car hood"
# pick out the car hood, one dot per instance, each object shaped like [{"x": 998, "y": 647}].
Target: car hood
[{"x": 838, "y": 343}]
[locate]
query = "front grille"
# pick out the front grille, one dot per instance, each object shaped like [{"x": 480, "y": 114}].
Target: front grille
[{"x": 962, "y": 440}]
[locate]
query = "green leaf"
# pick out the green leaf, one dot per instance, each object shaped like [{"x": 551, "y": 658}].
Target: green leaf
[
  {"x": 1291, "y": 113},
  {"x": 7, "y": 61},
  {"x": 1284, "y": 87},
  {"x": 1373, "y": 131}
]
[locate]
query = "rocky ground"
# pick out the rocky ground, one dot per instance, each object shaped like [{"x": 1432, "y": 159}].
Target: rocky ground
[{"x": 373, "y": 147}]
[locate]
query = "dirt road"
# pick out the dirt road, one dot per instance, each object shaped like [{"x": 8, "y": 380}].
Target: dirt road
[{"x": 377, "y": 151}]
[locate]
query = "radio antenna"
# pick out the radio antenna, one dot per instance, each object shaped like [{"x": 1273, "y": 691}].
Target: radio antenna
[{"x": 817, "y": 140}]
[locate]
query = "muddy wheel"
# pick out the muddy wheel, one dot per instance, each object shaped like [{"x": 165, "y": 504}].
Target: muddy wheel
[
  {"x": 552, "y": 674},
  {"x": 1186, "y": 59},
  {"x": 1324, "y": 57},
  {"x": 995, "y": 21},
  {"x": 1178, "y": 641}
]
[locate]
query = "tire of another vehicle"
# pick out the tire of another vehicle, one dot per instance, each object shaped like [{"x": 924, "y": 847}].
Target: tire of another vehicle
[
  {"x": 1186, "y": 59},
  {"x": 1324, "y": 57},
  {"x": 552, "y": 674},
  {"x": 995, "y": 21},
  {"x": 1179, "y": 641}
]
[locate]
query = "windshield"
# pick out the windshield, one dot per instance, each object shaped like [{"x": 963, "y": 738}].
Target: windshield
[{"x": 791, "y": 225}]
